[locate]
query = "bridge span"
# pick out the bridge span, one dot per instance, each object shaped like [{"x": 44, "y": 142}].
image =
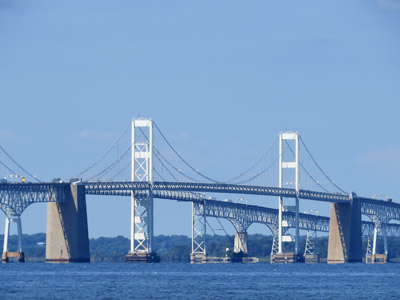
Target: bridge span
[
  {"x": 18, "y": 196},
  {"x": 66, "y": 202}
]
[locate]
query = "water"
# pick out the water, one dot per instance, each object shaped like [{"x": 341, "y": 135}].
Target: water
[{"x": 207, "y": 281}]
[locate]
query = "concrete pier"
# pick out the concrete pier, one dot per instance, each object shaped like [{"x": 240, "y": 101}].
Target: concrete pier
[
  {"x": 283, "y": 258},
  {"x": 20, "y": 256},
  {"x": 345, "y": 240},
  {"x": 240, "y": 247},
  {"x": 198, "y": 258},
  {"x": 311, "y": 258},
  {"x": 376, "y": 259},
  {"x": 142, "y": 257},
  {"x": 67, "y": 237},
  {"x": 240, "y": 242}
]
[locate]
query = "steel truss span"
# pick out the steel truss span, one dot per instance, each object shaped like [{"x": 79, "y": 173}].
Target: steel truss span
[
  {"x": 380, "y": 211},
  {"x": 15, "y": 198},
  {"x": 115, "y": 188},
  {"x": 243, "y": 215}
]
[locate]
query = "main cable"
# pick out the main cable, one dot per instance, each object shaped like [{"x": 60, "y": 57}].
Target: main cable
[
  {"x": 301, "y": 165},
  {"x": 181, "y": 158},
  {"x": 260, "y": 173},
  {"x": 327, "y": 177},
  {"x": 104, "y": 155},
  {"x": 255, "y": 164},
  {"x": 158, "y": 153},
  {"x": 110, "y": 166},
  {"x": 5, "y": 166},
  {"x": 18, "y": 165}
]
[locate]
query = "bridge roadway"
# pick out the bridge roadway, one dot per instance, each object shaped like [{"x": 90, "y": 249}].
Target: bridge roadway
[
  {"x": 113, "y": 188},
  {"x": 15, "y": 197}
]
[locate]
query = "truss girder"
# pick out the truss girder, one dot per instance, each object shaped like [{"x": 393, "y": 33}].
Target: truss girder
[
  {"x": 380, "y": 211},
  {"x": 242, "y": 216},
  {"x": 15, "y": 198},
  {"x": 118, "y": 187}
]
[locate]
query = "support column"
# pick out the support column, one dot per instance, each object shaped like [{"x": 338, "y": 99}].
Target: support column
[
  {"x": 374, "y": 240},
  {"x": 385, "y": 244},
  {"x": 19, "y": 228},
  {"x": 19, "y": 255},
  {"x": 199, "y": 231},
  {"x": 345, "y": 239},
  {"x": 311, "y": 251},
  {"x": 5, "y": 243},
  {"x": 240, "y": 247},
  {"x": 67, "y": 237}
]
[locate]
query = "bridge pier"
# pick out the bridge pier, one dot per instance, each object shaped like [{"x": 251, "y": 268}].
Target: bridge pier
[
  {"x": 17, "y": 254},
  {"x": 199, "y": 231},
  {"x": 372, "y": 256},
  {"x": 240, "y": 242},
  {"x": 198, "y": 258},
  {"x": 67, "y": 237},
  {"x": 311, "y": 251},
  {"x": 240, "y": 247},
  {"x": 345, "y": 239}
]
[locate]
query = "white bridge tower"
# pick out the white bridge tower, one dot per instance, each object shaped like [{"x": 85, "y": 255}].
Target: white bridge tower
[
  {"x": 284, "y": 147},
  {"x": 142, "y": 204}
]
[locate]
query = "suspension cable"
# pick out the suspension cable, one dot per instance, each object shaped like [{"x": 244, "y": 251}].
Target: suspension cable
[
  {"x": 18, "y": 165},
  {"x": 110, "y": 166},
  {"x": 260, "y": 173},
  {"x": 104, "y": 155},
  {"x": 162, "y": 177},
  {"x": 5, "y": 166},
  {"x": 156, "y": 152},
  {"x": 304, "y": 169},
  {"x": 120, "y": 171},
  {"x": 326, "y": 176},
  {"x": 255, "y": 164},
  {"x": 181, "y": 158},
  {"x": 165, "y": 167}
]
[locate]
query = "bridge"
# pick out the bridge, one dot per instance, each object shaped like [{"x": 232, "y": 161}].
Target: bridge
[{"x": 67, "y": 232}]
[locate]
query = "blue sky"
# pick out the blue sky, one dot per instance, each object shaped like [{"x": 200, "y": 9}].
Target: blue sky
[{"x": 221, "y": 79}]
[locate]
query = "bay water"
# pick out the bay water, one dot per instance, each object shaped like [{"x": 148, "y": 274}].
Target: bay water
[{"x": 199, "y": 281}]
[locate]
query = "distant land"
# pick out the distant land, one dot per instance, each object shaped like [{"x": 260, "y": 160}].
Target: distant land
[{"x": 177, "y": 248}]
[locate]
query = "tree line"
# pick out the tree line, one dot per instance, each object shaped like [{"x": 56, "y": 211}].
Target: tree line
[{"x": 177, "y": 248}]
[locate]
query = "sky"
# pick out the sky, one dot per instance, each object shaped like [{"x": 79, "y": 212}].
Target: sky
[{"x": 220, "y": 78}]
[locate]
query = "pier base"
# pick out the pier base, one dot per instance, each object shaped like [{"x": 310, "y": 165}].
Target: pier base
[
  {"x": 283, "y": 258},
  {"x": 311, "y": 259},
  {"x": 20, "y": 256},
  {"x": 376, "y": 259},
  {"x": 237, "y": 257},
  {"x": 198, "y": 258},
  {"x": 142, "y": 258}
]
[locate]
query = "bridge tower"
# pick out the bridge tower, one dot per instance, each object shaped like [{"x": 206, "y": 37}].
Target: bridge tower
[
  {"x": 286, "y": 167},
  {"x": 142, "y": 206}
]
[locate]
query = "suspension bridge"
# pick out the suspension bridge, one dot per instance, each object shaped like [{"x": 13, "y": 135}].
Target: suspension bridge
[{"x": 143, "y": 172}]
